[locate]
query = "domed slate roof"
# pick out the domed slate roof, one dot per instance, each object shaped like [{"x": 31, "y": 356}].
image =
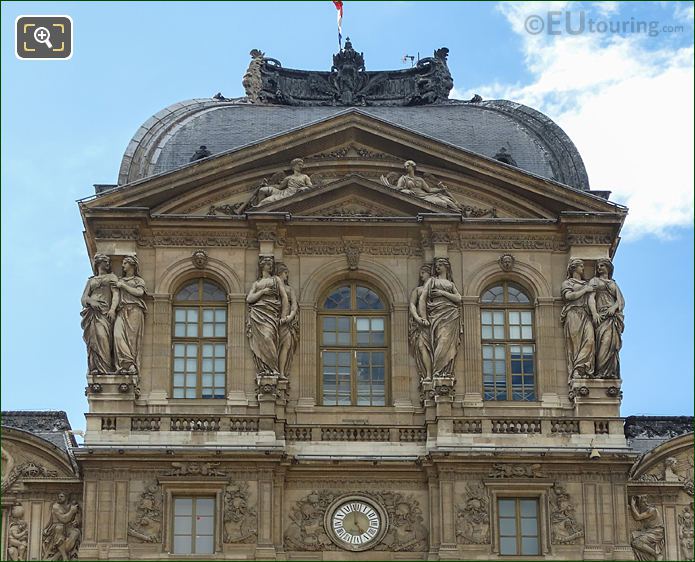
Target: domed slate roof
[
  {"x": 280, "y": 100},
  {"x": 537, "y": 145}
]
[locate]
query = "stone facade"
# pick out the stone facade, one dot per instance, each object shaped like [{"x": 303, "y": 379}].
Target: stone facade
[{"x": 436, "y": 464}]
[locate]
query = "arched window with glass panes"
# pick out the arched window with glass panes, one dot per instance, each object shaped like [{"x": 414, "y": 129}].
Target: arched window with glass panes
[
  {"x": 353, "y": 347},
  {"x": 508, "y": 343},
  {"x": 199, "y": 342}
]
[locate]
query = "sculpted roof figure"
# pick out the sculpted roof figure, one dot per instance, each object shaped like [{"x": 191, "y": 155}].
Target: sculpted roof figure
[
  {"x": 410, "y": 184},
  {"x": 348, "y": 83},
  {"x": 282, "y": 187}
]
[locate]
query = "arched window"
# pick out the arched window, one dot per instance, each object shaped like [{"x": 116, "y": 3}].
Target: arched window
[
  {"x": 199, "y": 341},
  {"x": 506, "y": 318},
  {"x": 353, "y": 347}
]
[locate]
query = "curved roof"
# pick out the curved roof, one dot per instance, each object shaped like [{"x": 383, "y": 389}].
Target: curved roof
[{"x": 536, "y": 144}]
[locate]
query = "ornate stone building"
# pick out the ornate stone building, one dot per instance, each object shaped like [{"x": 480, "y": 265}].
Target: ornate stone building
[{"x": 345, "y": 317}]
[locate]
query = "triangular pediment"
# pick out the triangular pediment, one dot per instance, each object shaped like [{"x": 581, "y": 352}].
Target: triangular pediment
[{"x": 350, "y": 153}]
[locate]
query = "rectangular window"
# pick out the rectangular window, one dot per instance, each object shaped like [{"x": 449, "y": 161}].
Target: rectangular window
[
  {"x": 370, "y": 378},
  {"x": 494, "y": 372},
  {"x": 194, "y": 525},
  {"x": 517, "y": 521},
  {"x": 336, "y": 378},
  {"x": 185, "y": 370},
  {"x": 523, "y": 385}
]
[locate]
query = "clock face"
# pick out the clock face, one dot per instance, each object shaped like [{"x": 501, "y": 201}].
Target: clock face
[{"x": 356, "y": 524}]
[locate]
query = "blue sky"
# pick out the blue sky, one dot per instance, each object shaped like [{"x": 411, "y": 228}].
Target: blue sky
[{"x": 626, "y": 99}]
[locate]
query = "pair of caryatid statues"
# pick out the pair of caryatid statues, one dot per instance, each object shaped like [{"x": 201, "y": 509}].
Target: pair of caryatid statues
[
  {"x": 272, "y": 323},
  {"x": 435, "y": 321},
  {"x": 113, "y": 317},
  {"x": 592, "y": 318}
]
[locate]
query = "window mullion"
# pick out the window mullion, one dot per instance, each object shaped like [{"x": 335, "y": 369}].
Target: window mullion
[
  {"x": 199, "y": 370},
  {"x": 517, "y": 503}
]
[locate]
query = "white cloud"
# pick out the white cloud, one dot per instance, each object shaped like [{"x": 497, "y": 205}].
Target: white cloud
[{"x": 628, "y": 106}]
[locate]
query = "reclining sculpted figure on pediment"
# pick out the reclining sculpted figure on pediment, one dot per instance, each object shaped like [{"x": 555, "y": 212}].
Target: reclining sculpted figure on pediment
[
  {"x": 280, "y": 186},
  {"x": 428, "y": 187}
]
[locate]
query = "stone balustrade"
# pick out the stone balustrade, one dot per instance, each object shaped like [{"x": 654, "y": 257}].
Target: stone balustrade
[{"x": 549, "y": 427}]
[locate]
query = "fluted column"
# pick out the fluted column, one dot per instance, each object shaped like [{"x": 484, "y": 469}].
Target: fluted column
[
  {"x": 548, "y": 331},
  {"x": 237, "y": 357},
  {"x": 308, "y": 360},
  {"x": 472, "y": 362},
  {"x": 401, "y": 372},
  {"x": 158, "y": 365}
]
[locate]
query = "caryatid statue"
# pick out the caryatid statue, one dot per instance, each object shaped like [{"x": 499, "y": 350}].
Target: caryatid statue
[
  {"x": 289, "y": 323},
  {"x": 272, "y": 325},
  {"x": 99, "y": 303},
  {"x": 441, "y": 302},
  {"x": 419, "y": 328},
  {"x": 606, "y": 304},
  {"x": 577, "y": 323},
  {"x": 130, "y": 318}
]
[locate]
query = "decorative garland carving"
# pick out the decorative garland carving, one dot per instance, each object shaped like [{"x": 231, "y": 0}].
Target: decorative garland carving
[
  {"x": 353, "y": 151},
  {"x": 334, "y": 248},
  {"x": 239, "y": 516},
  {"x": 194, "y": 469},
  {"x": 473, "y": 516},
  {"x": 565, "y": 528},
  {"x": 501, "y": 470},
  {"x": 147, "y": 525},
  {"x": 510, "y": 242},
  {"x": 26, "y": 470},
  {"x": 195, "y": 239}
]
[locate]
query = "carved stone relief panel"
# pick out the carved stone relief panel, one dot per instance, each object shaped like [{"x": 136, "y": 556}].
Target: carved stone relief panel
[
  {"x": 565, "y": 527},
  {"x": 685, "y": 532},
  {"x": 407, "y": 530},
  {"x": 648, "y": 540},
  {"x": 18, "y": 534},
  {"x": 147, "y": 525},
  {"x": 305, "y": 531},
  {"x": 473, "y": 515},
  {"x": 62, "y": 535},
  {"x": 240, "y": 520}
]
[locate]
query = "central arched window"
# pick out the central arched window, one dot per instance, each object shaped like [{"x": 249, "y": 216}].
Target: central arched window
[
  {"x": 506, "y": 321},
  {"x": 199, "y": 341},
  {"x": 353, "y": 336}
]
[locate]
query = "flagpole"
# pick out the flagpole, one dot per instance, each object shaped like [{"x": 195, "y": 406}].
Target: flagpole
[{"x": 339, "y": 6}]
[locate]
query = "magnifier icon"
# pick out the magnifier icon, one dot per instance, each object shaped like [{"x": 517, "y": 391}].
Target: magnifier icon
[{"x": 42, "y": 35}]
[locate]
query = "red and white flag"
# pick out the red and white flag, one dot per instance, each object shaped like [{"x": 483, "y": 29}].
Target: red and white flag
[{"x": 339, "y": 6}]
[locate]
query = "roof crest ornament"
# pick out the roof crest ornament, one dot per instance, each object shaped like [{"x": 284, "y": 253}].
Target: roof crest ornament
[{"x": 348, "y": 83}]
